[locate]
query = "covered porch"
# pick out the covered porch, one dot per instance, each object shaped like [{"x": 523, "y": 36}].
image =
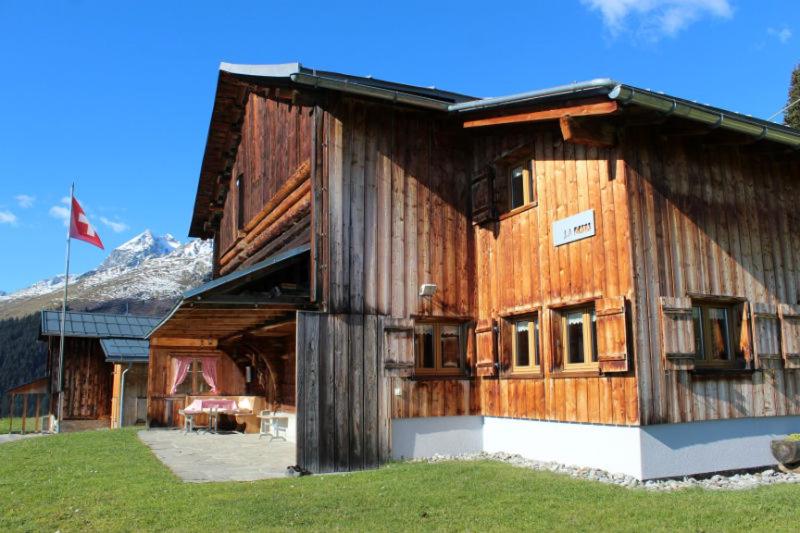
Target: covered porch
[{"x": 231, "y": 343}]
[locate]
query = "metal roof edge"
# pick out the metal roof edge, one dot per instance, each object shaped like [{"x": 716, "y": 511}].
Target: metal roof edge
[
  {"x": 276, "y": 70},
  {"x": 266, "y": 263},
  {"x": 270, "y": 261},
  {"x": 570, "y": 89}
]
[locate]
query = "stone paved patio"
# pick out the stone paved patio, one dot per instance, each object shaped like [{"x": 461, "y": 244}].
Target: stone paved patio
[{"x": 204, "y": 457}]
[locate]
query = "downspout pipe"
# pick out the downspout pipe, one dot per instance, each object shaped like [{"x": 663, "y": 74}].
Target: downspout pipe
[{"x": 122, "y": 395}]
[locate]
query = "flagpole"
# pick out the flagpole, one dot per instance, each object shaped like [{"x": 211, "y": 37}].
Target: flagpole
[{"x": 60, "y": 414}]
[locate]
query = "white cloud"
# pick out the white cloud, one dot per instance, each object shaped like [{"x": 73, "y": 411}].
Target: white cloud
[
  {"x": 656, "y": 18},
  {"x": 65, "y": 200},
  {"x": 7, "y": 217},
  {"x": 115, "y": 225},
  {"x": 782, "y": 34},
  {"x": 24, "y": 200},
  {"x": 61, "y": 213}
]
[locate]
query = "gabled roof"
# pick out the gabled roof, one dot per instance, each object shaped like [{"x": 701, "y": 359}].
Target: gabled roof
[
  {"x": 126, "y": 350},
  {"x": 235, "y": 81},
  {"x": 97, "y": 325}
]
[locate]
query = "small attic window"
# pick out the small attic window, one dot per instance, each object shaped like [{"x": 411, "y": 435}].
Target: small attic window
[
  {"x": 240, "y": 201},
  {"x": 521, "y": 184}
]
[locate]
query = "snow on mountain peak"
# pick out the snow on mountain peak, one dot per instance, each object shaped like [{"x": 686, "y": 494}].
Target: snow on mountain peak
[
  {"x": 145, "y": 267},
  {"x": 138, "y": 249}
]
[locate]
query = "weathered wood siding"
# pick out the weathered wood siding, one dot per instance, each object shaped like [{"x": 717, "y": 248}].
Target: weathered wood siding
[
  {"x": 342, "y": 396},
  {"x": 88, "y": 379},
  {"x": 395, "y": 213},
  {"x": 275, "y": 143},
  {"x": 520, "y": 270},
  {"x": 717, "y": 221}
]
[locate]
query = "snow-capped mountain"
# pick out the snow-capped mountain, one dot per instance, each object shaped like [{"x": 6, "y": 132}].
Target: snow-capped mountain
[{"x": 146, "y": 268}]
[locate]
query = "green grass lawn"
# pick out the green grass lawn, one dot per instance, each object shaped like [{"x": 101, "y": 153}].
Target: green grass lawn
[
  {"x": 16, "y": 425},
  {"x": 108, "y": 480}
]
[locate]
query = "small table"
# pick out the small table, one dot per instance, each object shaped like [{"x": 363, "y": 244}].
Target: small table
[{"x": 273, "y": 425}]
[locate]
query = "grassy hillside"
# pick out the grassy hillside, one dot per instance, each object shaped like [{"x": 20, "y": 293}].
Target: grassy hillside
[{"x": 109, "y": 481}]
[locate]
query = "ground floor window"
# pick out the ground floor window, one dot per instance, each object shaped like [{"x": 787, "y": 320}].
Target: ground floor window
[
  {"x": 579, "y": 332},
  {"x": 713, "y": 334},
  {"x": 525, "y": 356},
  {"x": 438, "y": 348},
  {"x": 194, "y": 375}
]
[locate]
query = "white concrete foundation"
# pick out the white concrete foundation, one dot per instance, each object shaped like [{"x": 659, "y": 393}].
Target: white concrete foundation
[
  {"x": 423, "y": 437},
  {"x": 650, "y": 452}
]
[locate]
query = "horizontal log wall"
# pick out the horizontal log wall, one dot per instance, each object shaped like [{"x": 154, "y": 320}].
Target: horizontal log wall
[
  {"x": 275, "y": 144},
  {"x": 711, "y": 221}
]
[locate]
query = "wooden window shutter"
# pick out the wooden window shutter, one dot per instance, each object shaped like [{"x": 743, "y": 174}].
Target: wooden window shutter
[
  {"x": 612, "y": 334},
  {"x": 556, "y": 341},
  {"x": 398, "y": 346},
  {"x": 677, "y": 333},
  {"x": 505, "y": 339},
  {"x": 483, "y": 196},
  {"x": 766, "y": 335},
  {"x": 790, "y": 335},
  {"x": 486, "y": 347}
]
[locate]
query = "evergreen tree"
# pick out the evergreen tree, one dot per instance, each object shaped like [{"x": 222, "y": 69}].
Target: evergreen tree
[
  {"x": 791, "y": 116},
  {"x": 23, "y": 356}
]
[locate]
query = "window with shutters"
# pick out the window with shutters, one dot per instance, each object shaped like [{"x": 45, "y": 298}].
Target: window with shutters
[
  {"x": 716, "y": 334},
  {"x": 521, "y": 184},
  {"x": 439, "y": 348},
  {"x": 525, "y": 346},
  {"x": 579, "y": 338}
]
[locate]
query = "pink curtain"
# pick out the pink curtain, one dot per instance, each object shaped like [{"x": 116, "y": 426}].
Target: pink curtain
[
  {"x": 210, "y": 372},
  {"x": 180, "y": 369}
]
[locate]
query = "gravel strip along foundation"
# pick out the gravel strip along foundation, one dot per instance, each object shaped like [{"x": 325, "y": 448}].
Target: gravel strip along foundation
[{"x": 736, "y": 481}]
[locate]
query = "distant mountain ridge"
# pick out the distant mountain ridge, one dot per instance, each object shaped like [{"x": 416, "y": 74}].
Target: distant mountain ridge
[{"x": 147, "y": 272}]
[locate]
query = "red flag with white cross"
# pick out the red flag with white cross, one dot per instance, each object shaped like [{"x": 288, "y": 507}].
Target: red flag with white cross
[{"x": 80, "y": 228}]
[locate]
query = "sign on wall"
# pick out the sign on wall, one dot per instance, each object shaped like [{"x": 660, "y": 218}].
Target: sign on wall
[{"x": 574, "y": 228}]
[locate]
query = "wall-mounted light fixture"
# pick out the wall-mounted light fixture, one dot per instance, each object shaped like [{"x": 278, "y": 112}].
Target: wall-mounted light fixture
[
  {"x": 248, "y": 373},
  {"x": 426, "y": 290}
]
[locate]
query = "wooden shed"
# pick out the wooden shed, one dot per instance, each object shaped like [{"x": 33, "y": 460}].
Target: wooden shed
[
  {"x": 594, "y": 274},
  {"x": 105, "y": 368}
]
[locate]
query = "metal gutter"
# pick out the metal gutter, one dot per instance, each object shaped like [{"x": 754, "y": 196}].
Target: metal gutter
[
  {"x": 665, "y": 104},
  {"x": 347, "y": 86},
  {"x": 713, "y": 117},
  {"x": 600, "y": 86}
]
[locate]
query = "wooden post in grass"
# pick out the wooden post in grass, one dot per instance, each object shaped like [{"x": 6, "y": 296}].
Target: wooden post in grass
[
  {"x": 11, "y": 414},
  {"x": 24, "y": 411},
  {"x": 38, "y": 413}
]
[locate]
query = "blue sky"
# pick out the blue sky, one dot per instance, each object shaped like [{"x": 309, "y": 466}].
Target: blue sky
[{"x": 118, "y": 95}]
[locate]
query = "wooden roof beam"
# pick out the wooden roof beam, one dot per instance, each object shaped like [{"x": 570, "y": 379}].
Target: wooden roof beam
[
  {"x": 576, "y": 130},
  {"x": 585, "y": 110}
]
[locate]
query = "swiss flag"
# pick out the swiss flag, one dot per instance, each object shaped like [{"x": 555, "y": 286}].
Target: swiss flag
[{"x": 80, "y": 228}]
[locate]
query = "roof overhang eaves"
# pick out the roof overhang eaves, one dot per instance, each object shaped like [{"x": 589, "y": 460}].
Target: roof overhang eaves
[
  {"x": 629, "y": 95},
  {"x": 195, "y": 297}
]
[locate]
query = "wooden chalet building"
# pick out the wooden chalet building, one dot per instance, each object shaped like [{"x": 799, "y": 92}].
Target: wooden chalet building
[
  {"x": 105, "y": 368},
  {"x": 594, "y": 274}
]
